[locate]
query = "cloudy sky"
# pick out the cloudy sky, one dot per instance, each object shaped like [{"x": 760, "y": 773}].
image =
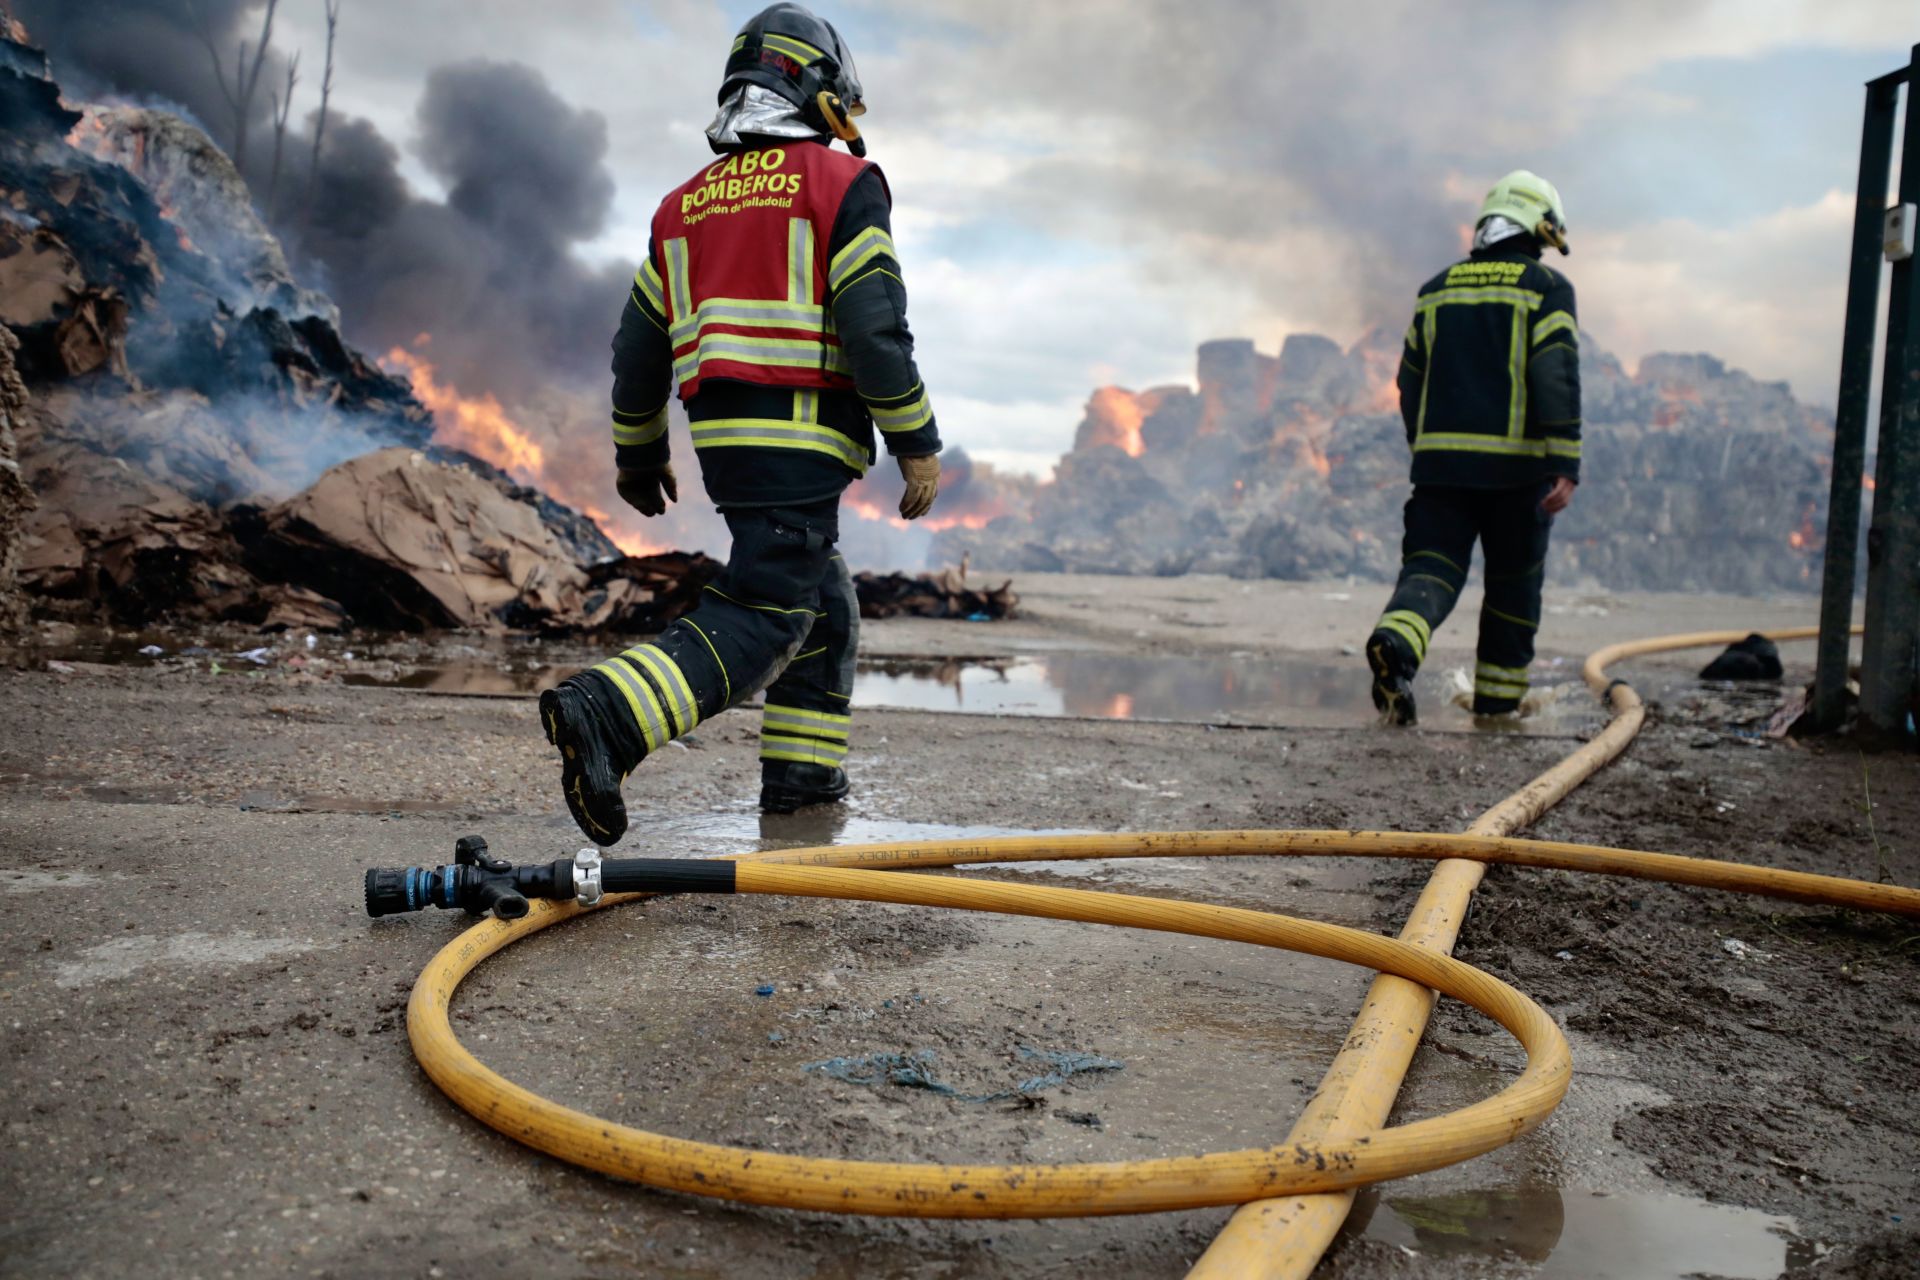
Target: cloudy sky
[{"x": 1086, "y": 191}]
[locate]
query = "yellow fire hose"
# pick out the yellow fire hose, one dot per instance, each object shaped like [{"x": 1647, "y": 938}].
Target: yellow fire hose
[{"x": 1288, "y": 1191}]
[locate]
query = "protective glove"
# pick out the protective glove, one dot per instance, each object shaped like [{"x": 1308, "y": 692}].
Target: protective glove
[
  {"x": 648, "y": 490},
  {"x": 922, "y": 475}
]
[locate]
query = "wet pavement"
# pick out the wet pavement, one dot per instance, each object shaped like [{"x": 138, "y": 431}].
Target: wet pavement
[
  {"x": 1569, "y": 1233},
  {"x": 256, "y": 1034}
]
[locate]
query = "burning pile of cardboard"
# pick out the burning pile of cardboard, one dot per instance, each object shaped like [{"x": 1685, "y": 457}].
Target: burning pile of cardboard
[
  {"x": 202, "y": 443},
  {"x": 1695, "y": 477}
]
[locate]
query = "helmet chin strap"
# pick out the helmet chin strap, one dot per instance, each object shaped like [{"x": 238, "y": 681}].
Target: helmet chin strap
[
  {"x": 1550, "y": 234},
  {"x": 839, "y": 119}
]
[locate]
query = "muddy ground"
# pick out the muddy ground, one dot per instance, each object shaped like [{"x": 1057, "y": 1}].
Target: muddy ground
[{"x": 203, "y": 1033}]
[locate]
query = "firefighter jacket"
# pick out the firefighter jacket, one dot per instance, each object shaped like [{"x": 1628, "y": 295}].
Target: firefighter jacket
[
  {"x": 772, "y": 304},
  {"x": 1490, "y": 375}
]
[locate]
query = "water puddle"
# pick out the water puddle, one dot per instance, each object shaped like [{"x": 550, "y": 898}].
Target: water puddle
[
  {"x": 1277, "y": 688},
  {"x": 1280, "y": 688},
  {"x": 1573, "y": 1234},
  {"x": 1294, "y": 689}
]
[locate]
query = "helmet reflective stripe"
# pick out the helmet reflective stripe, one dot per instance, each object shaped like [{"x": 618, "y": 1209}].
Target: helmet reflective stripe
[
  {"x": 1529, "y": 200},
  {"x": 799, "y": 50},
  {"x": 796, "y": 54}
]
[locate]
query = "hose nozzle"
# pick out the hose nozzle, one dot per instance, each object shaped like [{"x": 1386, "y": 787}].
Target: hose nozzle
[{"x": 476, "y": 883}]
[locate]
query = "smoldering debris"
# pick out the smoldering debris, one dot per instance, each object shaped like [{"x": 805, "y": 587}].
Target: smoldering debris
[
  {"x": 392, "y": 539},
  {"x": 1696, "y": 476},
  {"x": 642, "y": 594},
  {"x": 204, "y": 444},
  {"x": 933, "y": 595}
]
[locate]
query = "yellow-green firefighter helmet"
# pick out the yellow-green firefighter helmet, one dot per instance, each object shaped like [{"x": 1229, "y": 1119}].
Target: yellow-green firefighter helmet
[{"x": 1531, "y": 201}]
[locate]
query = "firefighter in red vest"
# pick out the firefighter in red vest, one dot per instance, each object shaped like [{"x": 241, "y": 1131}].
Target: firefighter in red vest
[{"x": 771, "y": 303}]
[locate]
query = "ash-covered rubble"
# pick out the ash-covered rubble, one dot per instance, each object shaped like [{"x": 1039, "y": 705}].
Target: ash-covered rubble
[
  {"x": 185, "y": 436},
  {"x": 946, "y": 594},
  {"x": 1695, "y": 477}
]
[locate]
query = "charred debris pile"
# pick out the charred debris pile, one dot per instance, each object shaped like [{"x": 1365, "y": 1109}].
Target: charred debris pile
[
  {"x": 946, "y": 594},
  {"x": 185, "y": 436},
  {"x": 1695, "y": 477}
]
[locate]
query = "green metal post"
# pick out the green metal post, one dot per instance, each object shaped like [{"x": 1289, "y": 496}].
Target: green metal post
[
  {"x": 1890, "y": 656},
  {"x": 1828, "y": 708}
]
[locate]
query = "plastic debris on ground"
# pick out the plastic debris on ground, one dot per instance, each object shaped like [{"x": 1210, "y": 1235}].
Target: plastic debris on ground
[
  {"x": 151, "y": 650},
  {"x": 914, "y": 1069},
  {"x": 258, "y": 657}
]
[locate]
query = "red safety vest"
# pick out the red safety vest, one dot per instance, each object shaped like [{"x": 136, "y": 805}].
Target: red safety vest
[{"x": 742, "y": 248}]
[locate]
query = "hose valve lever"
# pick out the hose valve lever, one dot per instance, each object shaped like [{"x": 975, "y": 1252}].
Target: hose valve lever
[{"x": 587, "y": 885}]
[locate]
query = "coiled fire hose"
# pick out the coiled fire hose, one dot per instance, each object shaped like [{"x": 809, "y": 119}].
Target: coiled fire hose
[{"x": 1262, "y": 1179}]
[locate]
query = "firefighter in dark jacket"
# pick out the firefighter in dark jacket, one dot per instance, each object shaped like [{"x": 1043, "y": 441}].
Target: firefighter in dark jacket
[
  {"x": 771, "y": 303},
  {"x": 1490, "y": 392}
]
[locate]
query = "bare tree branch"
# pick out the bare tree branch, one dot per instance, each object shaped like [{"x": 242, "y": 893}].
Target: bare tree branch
[
  {"x": 282, "y": 111},
  {"x": 213, "y": 54},
  {"x": 251, "y": 82},
  {"x": 320, "y": 122},
  {"x": 246, "y": 78}
]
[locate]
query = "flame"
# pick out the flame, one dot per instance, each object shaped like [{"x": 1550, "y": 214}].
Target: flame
[
  {"x": 1674, "y": 402},
  {"x": 869, "y": 510},
  {"x": 476, "y": 424},
  {"x": 89, "y": 135},
  {"x": 480, "y": 426},
  {"x": 1806, "y": 535},
  {"x": 966, "y": 520},
  {"x": 621, "y": 533},
  {"x": 1116, "y": 415},
  {"x": 1119, "y": 707}
]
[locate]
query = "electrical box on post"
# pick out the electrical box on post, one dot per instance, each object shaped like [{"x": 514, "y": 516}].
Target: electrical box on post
[{"x": 1898, "y": 240}]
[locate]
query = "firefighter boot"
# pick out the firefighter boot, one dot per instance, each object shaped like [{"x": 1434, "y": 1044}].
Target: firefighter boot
[
  {"x": 598, "y": 749},
  {"x": 1393, "y": 669},
  {"x": 786, "y": 785}
]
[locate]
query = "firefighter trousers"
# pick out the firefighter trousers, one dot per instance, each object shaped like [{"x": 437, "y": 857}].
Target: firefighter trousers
[
  {"x": 1442, "y": 524},
  {"x": 783, "y": 618}
]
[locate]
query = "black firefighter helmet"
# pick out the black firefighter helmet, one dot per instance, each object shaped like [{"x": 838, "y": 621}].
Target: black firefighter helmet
[{"x": 799, "y": 56}]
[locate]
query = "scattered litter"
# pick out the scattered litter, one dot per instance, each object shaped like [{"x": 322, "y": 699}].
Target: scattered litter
[
  {"x": 60, "y": 668},
  {"x": 1755, "y": 658},
  {"x": 1563, "y": 955},
  {"x": 1349, "y": 650},
  {"x": 1091, "y": 1119},
  {"x": 258, "y": 657},
  {"x": 915, "y": 1070},
  {"x": 946, "y": 594},
  {"x": 774, "y": 1037},
  {"x": 312, "y": 640},
  {"x": 764, "y": 989},
  {"x": 151, "y": 651},
  {"x": 1740, "y": 950}
]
